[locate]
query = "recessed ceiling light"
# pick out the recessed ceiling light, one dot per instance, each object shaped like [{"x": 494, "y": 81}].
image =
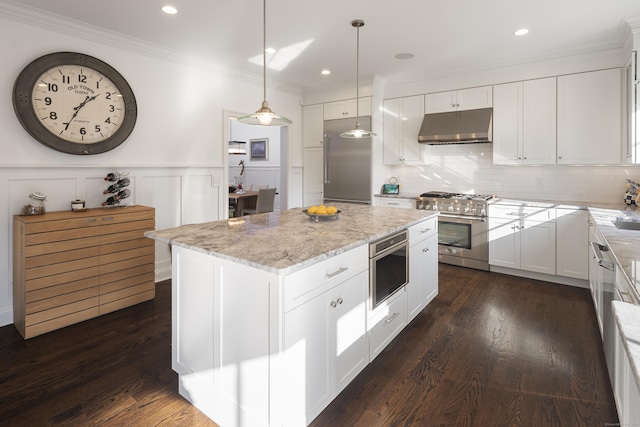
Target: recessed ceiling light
[
  {"x": 521, "y": 32},
  {"x": 169, "y": 10},
  {"x": 404, "y": 56},
  {"x": 325, "y": 72},
  {"x": 270, "y": 50}
]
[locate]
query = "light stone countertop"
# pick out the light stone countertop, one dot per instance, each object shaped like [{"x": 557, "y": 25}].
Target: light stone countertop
[{"x": 287, "y": 241}]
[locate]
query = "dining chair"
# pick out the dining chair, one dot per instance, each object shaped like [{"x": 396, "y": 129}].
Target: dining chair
[{"x": 266, "y": 197}]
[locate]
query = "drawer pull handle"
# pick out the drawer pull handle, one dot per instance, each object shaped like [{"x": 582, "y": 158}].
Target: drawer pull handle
[
  {"x": 338, "y": 271},
  {"x": 107, "y": 218},
  {"x": 392, "y": 318},
  {"x": 340, "y": 300},
  {"x": 334, "y": 304},
  {"x": 426, "y": 230},
  {"x": 90, "y": 220}
]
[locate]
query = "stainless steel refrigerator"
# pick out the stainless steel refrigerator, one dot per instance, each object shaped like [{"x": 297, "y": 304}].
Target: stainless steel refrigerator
[{"x": 347, "y": 162}]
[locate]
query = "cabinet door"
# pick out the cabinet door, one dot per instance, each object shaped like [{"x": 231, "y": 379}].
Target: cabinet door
[
  {"x": 335, "y": 110},
  {"x": 412, "y": 116},
  {"x": 423, "y": 276},
  {"x": 364, "y": 105},
  {"x": 589, "y": 117},
  {"x": 539, "y": 121},
  {"x": 507, "y": 124},
  {"x": 440, "y": 102},
  {"x": 312, "y": 176},
  {"x": 538, "y": 246},
  {"x": 572, "y": 243},
  {"x": 393, "y": 138},
  {"x": 504, "y": 242},
  {"x": 312, "y": 122},
  {"x": 307, "y": 378},
  {"x": 351, "y": 350},
  {"x": 474, "y": 98}
]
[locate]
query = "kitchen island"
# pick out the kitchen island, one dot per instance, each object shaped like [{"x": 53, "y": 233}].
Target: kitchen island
[{"x": 271, "y": 314}]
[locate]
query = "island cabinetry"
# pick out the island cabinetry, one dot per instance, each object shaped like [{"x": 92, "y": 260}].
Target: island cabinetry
[
  {"x": 590, "y": 117},
  {"x": 72, "y": 266},
  {"x": 523, "y": 237},
  {"x": 625, "y": 386},
  {"x": 347, "y": 108},
  {"x": 524, "y": 122},
  {"x": 402, "y": 120},
  {"x": 325, "y": 333},
  {"x": 457, "y": 100},
  {"x": 423, "y": 266}
]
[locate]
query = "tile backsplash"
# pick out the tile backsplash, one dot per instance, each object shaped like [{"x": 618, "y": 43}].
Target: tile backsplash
[{"x": 469, "y": 168}]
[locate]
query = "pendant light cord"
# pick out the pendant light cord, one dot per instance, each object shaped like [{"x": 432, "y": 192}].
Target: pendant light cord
[
  {"x": 264, "y": 48},
  {"x": 357, "y": 75}
]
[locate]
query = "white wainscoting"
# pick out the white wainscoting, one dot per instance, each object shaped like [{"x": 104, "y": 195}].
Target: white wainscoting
[{"x": 179, "y": 195}]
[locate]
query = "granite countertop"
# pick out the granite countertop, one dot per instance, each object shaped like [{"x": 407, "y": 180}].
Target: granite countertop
[{"x": 287, "y": 241}]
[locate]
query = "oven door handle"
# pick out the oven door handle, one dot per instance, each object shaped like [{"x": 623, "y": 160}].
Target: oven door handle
[{"x": 472, "y": 218}]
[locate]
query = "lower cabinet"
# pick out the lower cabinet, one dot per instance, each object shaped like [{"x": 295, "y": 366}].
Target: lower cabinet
[
  {"x": 423, "y": 268},
  {"x": 625, "y": 387},
  {"x": 572, "y": 248},
  {"x": 395, "y": 202},
  {"x": 326, "y": 347},
  {"x": 523, "y": 244}
]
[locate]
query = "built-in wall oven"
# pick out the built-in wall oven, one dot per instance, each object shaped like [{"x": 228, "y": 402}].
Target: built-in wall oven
[
  {"x": 388, "y": 266},
  {"x": 463, "y": 229}
]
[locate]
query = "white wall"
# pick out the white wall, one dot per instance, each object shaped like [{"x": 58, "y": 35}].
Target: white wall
[
  {"x": 176, "y": 155},
  {"x": 469, "y": 168}
]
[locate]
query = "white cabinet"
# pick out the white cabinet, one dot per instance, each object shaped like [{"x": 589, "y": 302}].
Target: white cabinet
[
  {"x": 402, "y": 120},
  {"x": 524, "y": 122},
  {"x": 423, "y": 266},
  {"x": 395, "y": 202},
  {"x": 325, "y": 333},
  {"x": 590, "y": 117},
  {"x": 523, "y": 237},
  {"x": 572, "y": 237},
  {"x": 464, "y": 99},
  {"x": 625, "y": 386},
  {"x": 347, "y": 108},
  {"x": 312, "y": 123},
  {"x": 313, "y": 176}
]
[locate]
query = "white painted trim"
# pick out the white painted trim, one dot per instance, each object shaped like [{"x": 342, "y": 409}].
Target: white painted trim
[{"x": 579, "y": 283}]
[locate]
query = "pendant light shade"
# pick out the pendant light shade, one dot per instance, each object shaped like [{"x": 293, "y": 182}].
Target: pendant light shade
[
  {"x": 264, "y": 116},
  {"x": 358, "y": 132}
]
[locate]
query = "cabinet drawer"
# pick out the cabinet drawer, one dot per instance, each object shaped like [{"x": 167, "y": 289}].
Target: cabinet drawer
[
  {"x": 534, "y": 213},
  {"x": 423, "y": 230},
  {"x": 116, "y": 227},
  {"x": 386, "y": 324},
  {"x": 64, "y": 224},
  {"x": 305, "y": 284},
  {"x": 396, "y": 202}
]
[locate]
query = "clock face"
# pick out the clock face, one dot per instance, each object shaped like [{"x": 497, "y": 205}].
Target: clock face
[
  {"x": 74, "y": 103},
  {"x": 78, "y": 104}
]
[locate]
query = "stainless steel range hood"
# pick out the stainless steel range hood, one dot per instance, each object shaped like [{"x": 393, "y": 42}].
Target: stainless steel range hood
[{"x": 457, "y": 127}]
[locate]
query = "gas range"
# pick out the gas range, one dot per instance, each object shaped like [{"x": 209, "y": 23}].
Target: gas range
[{"x": 474, "y": 205}]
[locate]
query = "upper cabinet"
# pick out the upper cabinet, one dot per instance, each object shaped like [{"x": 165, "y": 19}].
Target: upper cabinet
[
  {"x": 590, "y": 117},
  {"x": 347, "y": 108},
  {"x": 312, "y": 122},
  {"x": 464, "y": 99},
  {"x": 524, "y": 122},
  {"x": 402, "y": 121}
]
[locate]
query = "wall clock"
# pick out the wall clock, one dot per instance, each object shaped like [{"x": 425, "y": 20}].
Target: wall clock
[{"x": 74, "y": 103}]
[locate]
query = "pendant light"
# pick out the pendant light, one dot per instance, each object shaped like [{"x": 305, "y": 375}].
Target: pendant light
[
  {"x": 264, "y": 116},
  {"x": 358, "y": 132}
]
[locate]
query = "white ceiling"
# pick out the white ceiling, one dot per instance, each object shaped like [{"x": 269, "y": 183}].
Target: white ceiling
[{"x": 445, "y": 36}]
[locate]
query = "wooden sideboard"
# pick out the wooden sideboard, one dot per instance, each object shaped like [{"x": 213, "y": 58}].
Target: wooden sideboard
[{"x": 70, "y": 266}]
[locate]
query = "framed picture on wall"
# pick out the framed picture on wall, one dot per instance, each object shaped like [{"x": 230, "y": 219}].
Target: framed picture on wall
[{"x": 259, "y": 148}]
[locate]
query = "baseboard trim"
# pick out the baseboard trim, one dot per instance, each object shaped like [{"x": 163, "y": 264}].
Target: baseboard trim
[{"x": 569, "y": 281}]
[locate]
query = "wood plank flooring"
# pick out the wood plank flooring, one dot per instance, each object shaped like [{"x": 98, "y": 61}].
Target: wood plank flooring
[{"x": 490, "y": 350}]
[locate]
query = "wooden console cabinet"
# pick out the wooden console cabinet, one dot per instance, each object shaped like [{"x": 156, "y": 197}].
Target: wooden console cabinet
[{"x": 71, "y": 266}]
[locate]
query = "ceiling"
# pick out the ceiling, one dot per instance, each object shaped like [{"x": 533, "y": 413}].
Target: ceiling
[{"x": 451, "y": 36}]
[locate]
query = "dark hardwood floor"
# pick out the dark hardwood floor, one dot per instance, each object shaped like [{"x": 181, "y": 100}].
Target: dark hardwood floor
[{"x": 490, "y": 350}]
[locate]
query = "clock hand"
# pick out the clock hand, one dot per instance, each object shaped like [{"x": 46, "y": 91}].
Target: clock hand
[{"x": 82, "y": 104}]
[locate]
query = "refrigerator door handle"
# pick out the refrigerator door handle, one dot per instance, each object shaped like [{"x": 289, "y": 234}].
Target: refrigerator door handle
[{"x": 325, "y": 155}]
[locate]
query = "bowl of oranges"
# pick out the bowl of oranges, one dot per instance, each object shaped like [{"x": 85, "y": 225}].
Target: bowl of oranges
[{"x": 316, "y": 213}]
